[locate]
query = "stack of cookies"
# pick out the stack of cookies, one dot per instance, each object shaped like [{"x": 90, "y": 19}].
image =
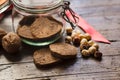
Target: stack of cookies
[
  {"x": 39, "y": 28},
  {"x": 55, "y": 53}
]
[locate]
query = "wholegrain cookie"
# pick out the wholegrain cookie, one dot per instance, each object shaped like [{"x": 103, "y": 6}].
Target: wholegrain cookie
[
  {"x": 27, "y": 20},
  {"x": 45, "y": 27},
  {"x": 24, "y": 31},
  {"x": 63, "y": 50},
  {"x": 43, "y": 57}
]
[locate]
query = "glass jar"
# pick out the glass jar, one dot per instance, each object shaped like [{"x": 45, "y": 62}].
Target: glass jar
[
  {"x": 5, "y": 10},
  {"x": 38, "y": 22}
]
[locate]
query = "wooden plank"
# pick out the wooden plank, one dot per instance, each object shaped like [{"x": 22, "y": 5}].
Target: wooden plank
[
  {"x": 97, "y": 11},
  {"x": 87, "y": 8},
  {"x": 93, "y": 3},
  {"x": 26, "y": 54},
  {"x": 92, "y": 76},
  {"x": 104, "y": 17},
  {"x": 80, "y": 66},
  {"x": 104, "y": 22}
]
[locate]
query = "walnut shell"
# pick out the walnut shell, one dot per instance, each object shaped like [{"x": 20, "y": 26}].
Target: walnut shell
[{"x": 11, "y": 42}]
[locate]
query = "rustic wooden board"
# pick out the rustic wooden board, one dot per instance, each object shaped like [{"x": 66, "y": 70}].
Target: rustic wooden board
[
  {"x": 89, "y": 3},
  {"x": 104, "y": 16},
  {"x": 80, "y": 66},
  {"x": 92, "y": 76},
  {"x": 25, "y": 55}
]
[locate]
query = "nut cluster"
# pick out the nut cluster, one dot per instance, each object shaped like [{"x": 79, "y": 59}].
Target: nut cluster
[{"x": 87, "y": 46}]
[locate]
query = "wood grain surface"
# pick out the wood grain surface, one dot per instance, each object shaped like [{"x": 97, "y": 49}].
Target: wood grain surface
[{"x": 104, "y": 16}]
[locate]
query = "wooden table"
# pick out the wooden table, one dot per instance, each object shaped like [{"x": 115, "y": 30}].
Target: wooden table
[{"x": 104, "y": 16}]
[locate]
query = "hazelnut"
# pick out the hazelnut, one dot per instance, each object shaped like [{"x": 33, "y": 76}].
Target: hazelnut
[
  {"x": 68, "y": 39},
  {"x": 69, "y": 30},
  {"x": 84, "y": 46},
  {"x": 83, "y": 41},
  {"x": 85, "y": 53},
  {"x": 11, "y": 42},
  {"x": 92, "y": 50},
  {"x": 98, "y": 55},
  {"x": 96, "y": 46},
  {"x": 81, "y": 36},
  {"x": 76, "y": 40},
  {"x": 73, "y": 34},
  {"x": 91, "y": 42},
  {"x": 87, "y": 36},
  {"x": 77, "y": 32}
]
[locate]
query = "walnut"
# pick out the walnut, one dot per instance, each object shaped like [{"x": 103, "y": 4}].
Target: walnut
[{"x": 11, "y": 42}]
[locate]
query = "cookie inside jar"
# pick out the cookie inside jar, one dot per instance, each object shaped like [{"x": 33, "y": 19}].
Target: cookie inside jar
[{"x": 39, "y": 31}]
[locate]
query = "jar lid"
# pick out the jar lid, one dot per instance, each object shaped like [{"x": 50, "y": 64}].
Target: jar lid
[
  {"x": 37, "y": 4},
  {"x": 4, "y": 5}
]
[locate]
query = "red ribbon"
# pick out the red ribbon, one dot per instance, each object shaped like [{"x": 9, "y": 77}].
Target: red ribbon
[{"x": 86, "y": 27}]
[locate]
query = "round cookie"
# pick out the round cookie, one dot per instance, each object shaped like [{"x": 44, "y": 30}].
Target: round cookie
[
  {"x": 43, "y": 57},
  {"x": 24, "y": 31},
  {"x": 27, "y": 20},
  {"x": 63, "y": 50},
  {"x": 44, "y": 27}
]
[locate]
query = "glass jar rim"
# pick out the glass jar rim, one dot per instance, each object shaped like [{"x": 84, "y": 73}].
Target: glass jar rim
[{"x": 37, "y": 7}]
